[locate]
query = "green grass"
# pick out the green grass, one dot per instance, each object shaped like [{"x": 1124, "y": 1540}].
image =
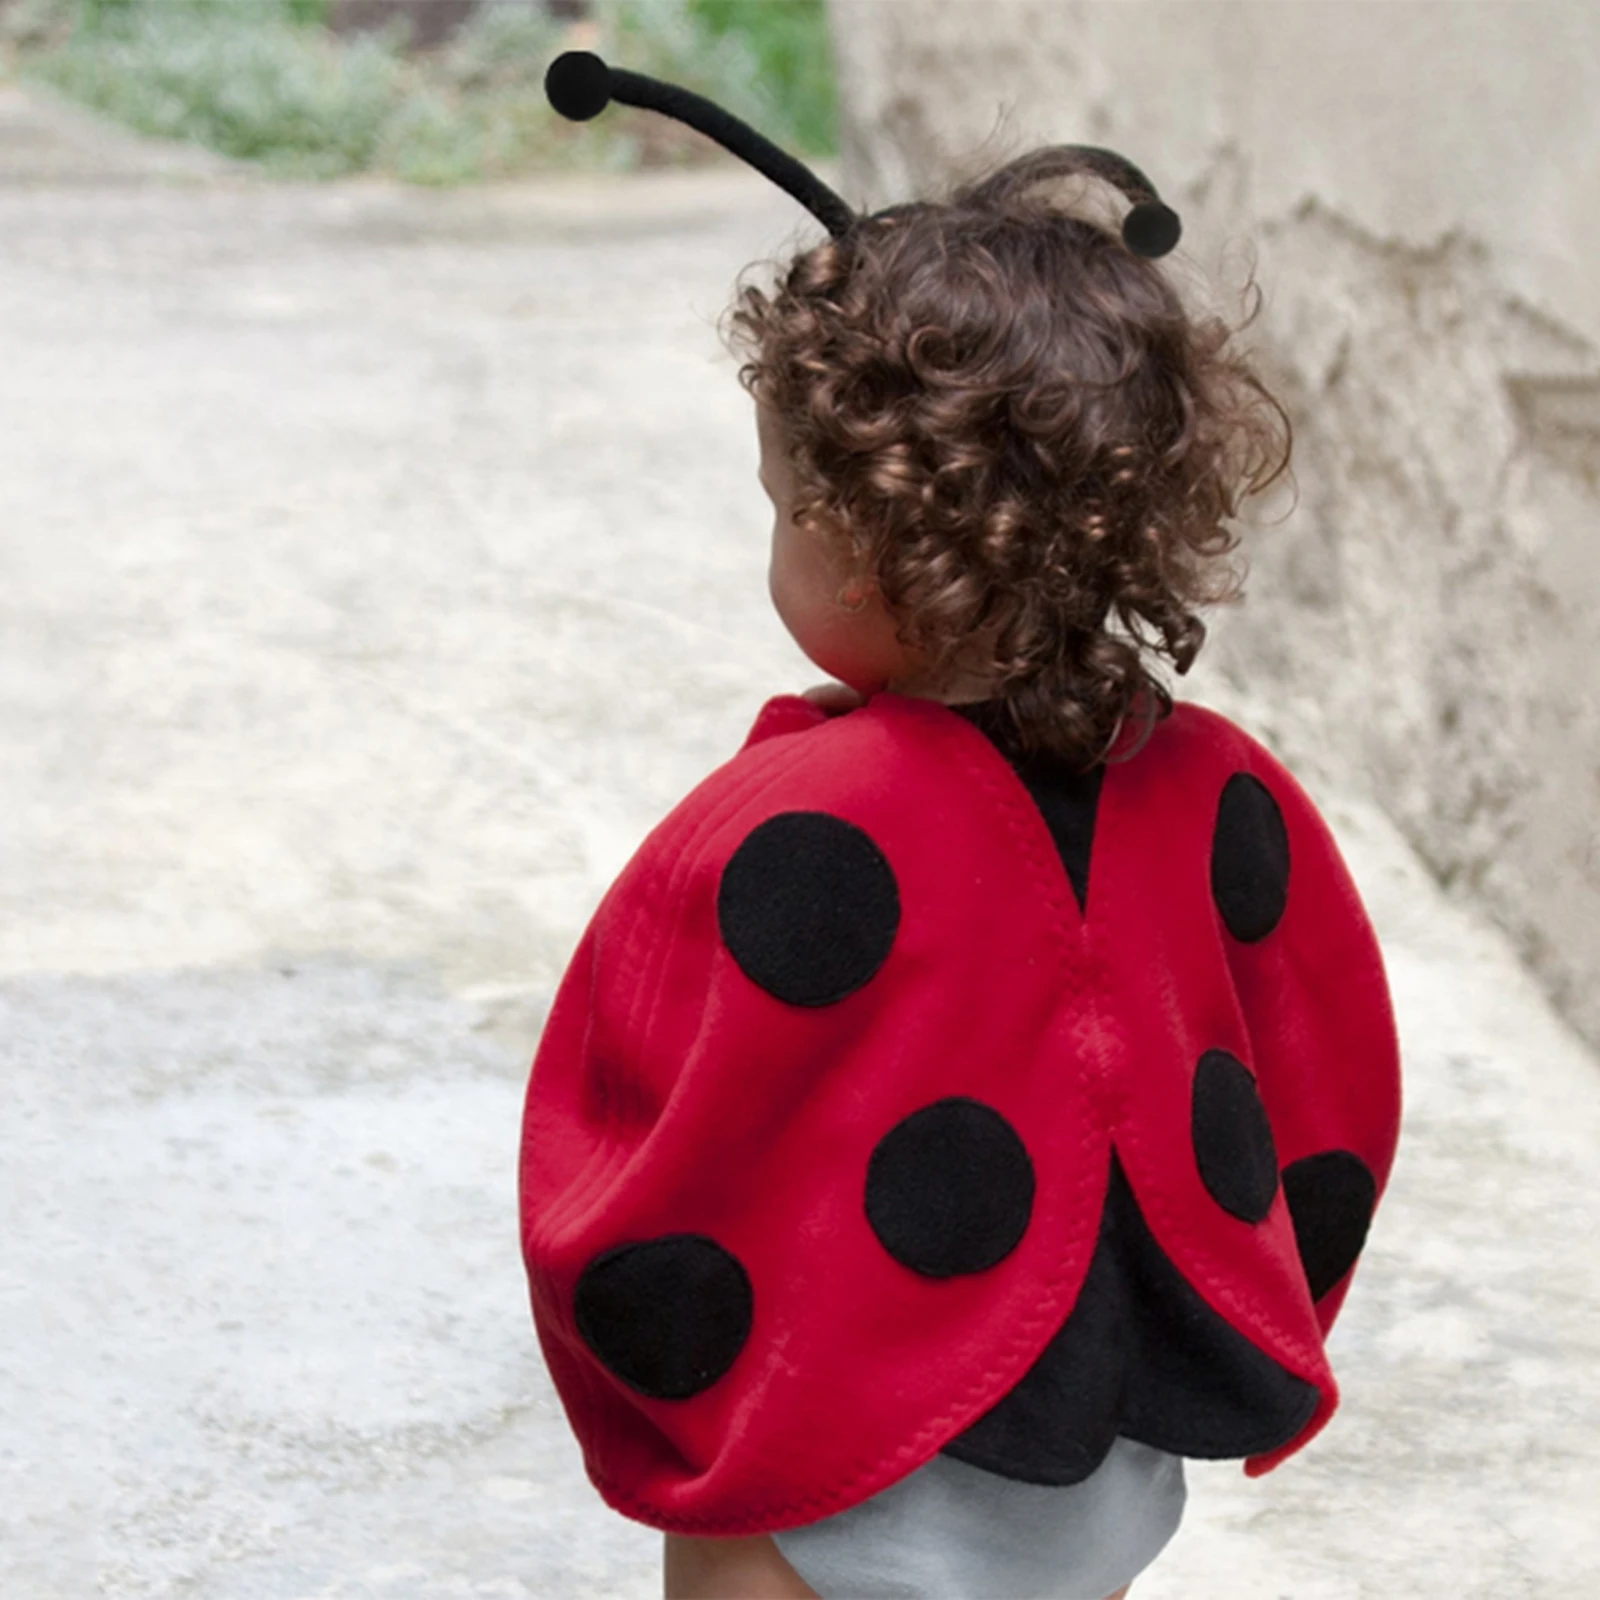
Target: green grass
[
  {"x": 264, "y": 81},
  {"x": 789, "y": 42}
]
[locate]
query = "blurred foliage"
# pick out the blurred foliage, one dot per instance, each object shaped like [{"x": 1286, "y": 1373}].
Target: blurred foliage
[
  {"x": 266, "y": 81},
  {"x": 308, "y": 13},
  {"x": 793, "y": 58},
  {"x": 242, "y": 77}
]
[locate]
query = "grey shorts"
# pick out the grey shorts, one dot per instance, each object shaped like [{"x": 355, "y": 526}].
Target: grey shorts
[{"x": 950, "y": 1531}]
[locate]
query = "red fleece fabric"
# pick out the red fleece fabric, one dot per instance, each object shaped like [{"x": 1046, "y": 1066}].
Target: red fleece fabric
[{"x": 672, "y": 1095}]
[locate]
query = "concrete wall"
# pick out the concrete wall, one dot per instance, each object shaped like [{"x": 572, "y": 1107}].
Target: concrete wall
[{"x": 1416, "y": 187}]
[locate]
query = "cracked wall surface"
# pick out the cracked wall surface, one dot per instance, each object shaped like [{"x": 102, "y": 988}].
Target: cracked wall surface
[{"x": 1415, "y": 188}]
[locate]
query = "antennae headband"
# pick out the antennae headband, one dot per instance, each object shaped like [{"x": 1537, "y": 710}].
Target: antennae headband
[{"x": 579, "y": 85}]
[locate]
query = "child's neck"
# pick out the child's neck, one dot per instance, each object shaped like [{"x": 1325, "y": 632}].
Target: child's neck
[{"x": 961, "y": 690}]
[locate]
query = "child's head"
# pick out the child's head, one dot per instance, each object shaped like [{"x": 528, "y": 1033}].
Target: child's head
[
  {"x": 1001, "y": 429},
  {"x": 837, "y": 616}
]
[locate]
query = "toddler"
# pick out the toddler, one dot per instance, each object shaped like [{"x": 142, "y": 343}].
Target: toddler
[{"x": 956, "y": 1114}]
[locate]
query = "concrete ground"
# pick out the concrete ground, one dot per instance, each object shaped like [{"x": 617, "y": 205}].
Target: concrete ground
[{"x": 376, "y": 568}]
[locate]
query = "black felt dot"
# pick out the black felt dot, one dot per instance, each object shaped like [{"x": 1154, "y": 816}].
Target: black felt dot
[
  {"x": 1232, "y": 1137},
  {"x": 1331, "y": 1197},
  {"x": 1249, "y": 858},
  {"x": 669, "y": 1316},
  {"x": 808, "y": 907},
  {"x": 950, "y": 1189}
]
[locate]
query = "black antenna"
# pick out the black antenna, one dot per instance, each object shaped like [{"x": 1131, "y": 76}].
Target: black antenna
[{"x": 580, "y": 86}]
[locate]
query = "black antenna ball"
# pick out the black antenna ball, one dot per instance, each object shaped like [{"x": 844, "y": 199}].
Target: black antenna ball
[
  {"x": 578, "y": 84},
  {"x": 1151, "y": 228}
]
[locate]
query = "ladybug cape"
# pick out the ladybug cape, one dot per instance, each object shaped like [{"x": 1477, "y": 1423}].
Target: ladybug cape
[{"x": 904, "y": 1095}]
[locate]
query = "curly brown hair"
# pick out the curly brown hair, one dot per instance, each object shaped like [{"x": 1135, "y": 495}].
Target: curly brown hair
[{"x": 1010, "y": 421}]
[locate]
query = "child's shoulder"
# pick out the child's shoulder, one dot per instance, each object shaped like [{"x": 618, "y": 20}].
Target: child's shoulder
[
  {"x": 908, "y": 721},
  {"x": 797, "y": 754},
  {"x": 858, "y": 766}
]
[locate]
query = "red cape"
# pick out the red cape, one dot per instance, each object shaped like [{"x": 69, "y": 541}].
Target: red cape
[{"x": 901, "y": 1097}]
